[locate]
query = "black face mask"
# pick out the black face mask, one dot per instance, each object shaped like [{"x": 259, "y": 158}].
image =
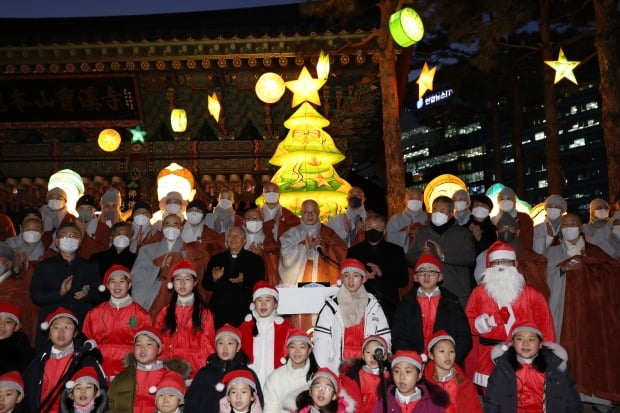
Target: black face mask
[
  {"x": 355, "y": 202},
  {"x": 373, "y": 235},
  {"x": 507, "y": 236}
]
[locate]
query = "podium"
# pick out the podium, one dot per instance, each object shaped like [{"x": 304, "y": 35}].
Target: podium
[{"x": 302, "y": 304}]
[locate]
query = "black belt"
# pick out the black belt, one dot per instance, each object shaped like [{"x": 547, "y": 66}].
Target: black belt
[{"x": 489, "y": 341}]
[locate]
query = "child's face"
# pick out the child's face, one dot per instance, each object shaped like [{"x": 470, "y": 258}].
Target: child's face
[
  {"x": 526, "y": 344},
  {"x": 119, "y": 286},
  {"x": 62, "y": 332},
  {"x": 265, "y": 305},
  {"x": 443, "y": 355},
  {"x": 428, "y": 278},
  {"x": 226, "y": 347},
  {"x": 184, "y": 284},
  {"x": 298, "y": 353},
  {"x": 8, "y": 327},
  {"x": 9, "y": 398},
  {"x": 167, "y": 403},
  {"x": 322, "y": 392},
  {"x": 240, "y": 396},
  {"x": 368, "y": 354},
  {"x": 405, "y": 376},
  {"x": 352, "y": 281},
  {"x": 84, "y": 393},
  {"x": 145, "y": 349}
]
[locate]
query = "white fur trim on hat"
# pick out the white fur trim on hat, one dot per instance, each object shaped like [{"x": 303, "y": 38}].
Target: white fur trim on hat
[
  {"x": 220, "y": 387},
  {"x": 265, "y": 291},
  {"x": 437, "y": 339},
  {"x": 170, "y": 390},
  {"x": 283, "y": 360},
  {"x": 424, "y": 357},
  {"x": 101, "y": 288},
  {"x": 278, "y": 320},
  {"x": 170, "y": 285},
  {"x": 70, "y": 384},
  {"x": 45, "y": 325},
  {"x": 502, "y": 255}
]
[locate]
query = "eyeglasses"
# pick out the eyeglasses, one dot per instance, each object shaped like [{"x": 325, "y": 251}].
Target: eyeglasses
[
  {"x": 427, "y": 273},
  {"x": 327, "y": 388},
  {"x": 495, "y": 263}
]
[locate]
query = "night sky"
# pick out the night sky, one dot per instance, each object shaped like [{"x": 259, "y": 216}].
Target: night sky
[{"x": 82, "y": 8}]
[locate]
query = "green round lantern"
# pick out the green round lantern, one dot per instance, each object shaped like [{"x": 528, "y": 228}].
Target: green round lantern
[{"x": 406, "y": 27}]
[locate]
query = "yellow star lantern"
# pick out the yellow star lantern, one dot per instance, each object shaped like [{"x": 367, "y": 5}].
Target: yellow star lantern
[
  {"x": 305, "y": 88},
  {"x": 563, "y": 68},
  {"x": 213, "y": 104},
  {"x": 322, "y": 66},
  {"x": 425, "y": 81}
]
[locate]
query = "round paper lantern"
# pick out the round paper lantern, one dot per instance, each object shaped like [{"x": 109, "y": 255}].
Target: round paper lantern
[
  {"x": 406, "y": 27},
  {"x": 109, "y": 140},
  {"x": 270, "y": 87},
  {"x": 443, "y": 185},
  {"x": 178, "y": 120}
]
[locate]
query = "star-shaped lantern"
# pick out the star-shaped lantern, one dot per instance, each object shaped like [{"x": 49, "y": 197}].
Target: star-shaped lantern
[
  {"x": 305, "y": 88},
  {"x": 213, "y": 104},
  {"x": 137, "y": 134},
  {"x": 425, "y": 80},
  {"x": 563, "y": 68}
]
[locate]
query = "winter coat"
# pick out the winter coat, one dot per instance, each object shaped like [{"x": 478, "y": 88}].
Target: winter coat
[
  {"x": 434, "y": 400},
  {"x": 101, "y": 403},
  {"x": 329, "y": 330},
  {"x": 16, "y": 353},
  {"x": 560, "y": 392},
  {"x": 202, "y": 396},
  {"x": 466, "y": 399},
  {"x": 368, "y": 395},
  {"x": 284, "y": 383},
  {"x": 407, "y": 326}
]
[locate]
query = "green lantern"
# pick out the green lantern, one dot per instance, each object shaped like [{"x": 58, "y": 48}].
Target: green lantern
[{"x": 406, "y": 27}]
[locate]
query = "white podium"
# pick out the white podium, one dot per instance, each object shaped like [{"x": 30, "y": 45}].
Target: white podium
[{"x": 303, "y": 300}]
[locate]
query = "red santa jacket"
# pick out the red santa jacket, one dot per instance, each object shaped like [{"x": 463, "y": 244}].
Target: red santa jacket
[
  {"x": 281, "y": 329},
  {"x": 465, "y": 397}
]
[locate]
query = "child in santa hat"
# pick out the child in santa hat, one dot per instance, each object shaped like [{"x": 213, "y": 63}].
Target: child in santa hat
[
  {"x": 325, "y": 395},
  {"x": 66, "y": 353},
  {"x": 11, "y": 392},
  {"x": 186, "y": 322},
  {"x": 240, "y": 397},
  {"x": 530, "y": 375},
  {"x": 286, "y": 382},
  {"x": 264, "y": 333},
  {"x": 82, "y": 393},
  {"x": 114, "y": 323},
  {"x": 13, "y": 340},
  {"x": 203, "y": 396},
  {"x": 170, "y": 395},
  {"x": 443, "y": 371},
  {"x": 410, "y": 393},
  {"x": 347, "y": 318}
]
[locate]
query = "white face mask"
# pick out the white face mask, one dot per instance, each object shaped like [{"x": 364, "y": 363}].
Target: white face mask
[
  {"x": 225, "y": 203},
  {"x": 460, "y": 205},
  {"x": 616, "y": 230},
  {"x": 121, "y": 241},
  {"x": 194, "y": 218},
  {"x": 272, "y": 197},
  {"x": 553, "y": 213},
  {"x": 439, "y": 218},
  {"x": 570, "y": 233},
  {"x": 480, "y": 212},
  {"x": 173, "y": 208},
  {"x": 414, "y": 204},
  {"x": 140, "y": 220},
  {"x": 55, "y": 204},
  {"x": 68, "y": 245},
  {"x": 254, "y": 226},
  {"x": 601, "y": 213},
  {"x": 31, "y": 237},
  {"x": 506, "y": 205},
  {"x": 171, "y": 233}
]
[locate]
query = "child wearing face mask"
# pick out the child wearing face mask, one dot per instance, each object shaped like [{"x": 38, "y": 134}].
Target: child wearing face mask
[{"x": 96, "y": 233}]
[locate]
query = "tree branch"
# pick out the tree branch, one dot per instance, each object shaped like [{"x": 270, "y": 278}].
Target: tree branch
[
  {"x": 361, "y": 43},
  {"x": 518, "y": 46}
]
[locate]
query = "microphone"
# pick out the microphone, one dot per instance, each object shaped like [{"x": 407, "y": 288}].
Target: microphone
[
  {"x": 379, "y": 354},
  {"x": 89, "y": 345}
]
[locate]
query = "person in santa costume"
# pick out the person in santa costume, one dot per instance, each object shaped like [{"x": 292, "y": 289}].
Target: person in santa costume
[
  {"x": 83, "y": 395},
  {"x": 347, "y": 318},
  {"x": 114, "y": 323},
  {"x": 11, "y": 392},
  {"x": 502, "y": 299},
  {"x": 186, "y": 322},
  {"x": 170, "y": 396},
  {"x": 241, "y": 395},
  {"x": 264, "y": 333}
]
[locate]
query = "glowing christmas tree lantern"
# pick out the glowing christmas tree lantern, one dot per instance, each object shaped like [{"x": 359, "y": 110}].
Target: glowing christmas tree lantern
[
  {"x": 270, "y": 87},
  {"x": 322, "y": 66},
  {"x": 493, "y": 193},
  {"x": 109, "y": 140},
  {"x": 178, "y": 120},
  {"x": 214, "y": 106},
  {"x": 443, "y": 185},
  {"x": 538, "y": 213},
  {"x": 73, "y": 185},
  {"x": 406, "y": 27}
]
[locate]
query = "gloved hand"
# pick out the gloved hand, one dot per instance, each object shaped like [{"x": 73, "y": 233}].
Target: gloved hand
[{"x": 501, "y": 316}]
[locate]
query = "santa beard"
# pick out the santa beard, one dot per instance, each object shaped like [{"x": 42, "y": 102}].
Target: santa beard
[{"x": 503, "y": 283}]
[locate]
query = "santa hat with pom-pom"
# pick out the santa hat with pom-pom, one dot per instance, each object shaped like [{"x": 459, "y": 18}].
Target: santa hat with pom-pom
[
  {"x": 437, "y": 337},
  {"x": 523, "y": 325},
  {"x": 235, "y": 376},
  {"x": 113, "y": 270},
  {"x": 409, "y": 356},
  {"x": 295, "y": 334},
  {"x": 171, "y": 383},
  {"x": 262, "y": 288},
  {"x": 86, "y": 374},
  {"x": 428, "y": 261},
  {"x": 352, "y": 265},
  {"x": 228, "y": 330},
  {"x": 10, "y": 310},
  {"x": 60, "y": 312},
  {"x": 500, "y": 251},
  {"x": 382, "y": 342},
  {"x": 184, "y": 266},
  {"x": 328, "y": 374},
  {"x": 150, "y": 332},
  {"x": 12, "y": 380}
]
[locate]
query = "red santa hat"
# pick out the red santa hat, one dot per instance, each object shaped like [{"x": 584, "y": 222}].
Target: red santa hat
[
  {"x": 113, "y": 270},
  {"x": 262, "y": 288},
  {"x": 11, "y": 311},
  {"x": 500, "y": 251},
  {"x": 12, "y": 380},
  {"x": 295, "y": 334},
  {"x": 428, "y": 261},
  {"x": 228, "y": 330},
  {"x": 60, "y": 312},
  {"x": 409, "y": 356},
  {"x": 150, "y": 332},
  {"x": 353, "y": 265},
  {"x": 525, "y": 325},
  {"x": 86, "y": 374},
  {"x": 328, "y": 374},
  {"x": 184, "y": 266},
  {"x": 437, "y": 337},
  {"x": 172, "y": 383},
  {"x": 236, "y": 376},
  {"x": 378, "y": 339}
]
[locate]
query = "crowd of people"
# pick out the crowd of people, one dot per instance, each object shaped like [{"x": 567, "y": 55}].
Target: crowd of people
[{"x": 441, "y": 308}]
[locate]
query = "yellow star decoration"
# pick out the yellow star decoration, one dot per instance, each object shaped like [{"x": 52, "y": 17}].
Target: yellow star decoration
[
  {"x": 425, "y": 80},
  {"x": 213, "y": 104},
  {"x": 563, "y": 68},
  {"x": 305, "y": 88}
]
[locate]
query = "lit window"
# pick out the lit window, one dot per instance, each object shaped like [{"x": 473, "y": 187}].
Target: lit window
[
  {"x": 577, "y": 143},
  {"x": 542, "y": 183},
  {"x": 539, "y": 136}
]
